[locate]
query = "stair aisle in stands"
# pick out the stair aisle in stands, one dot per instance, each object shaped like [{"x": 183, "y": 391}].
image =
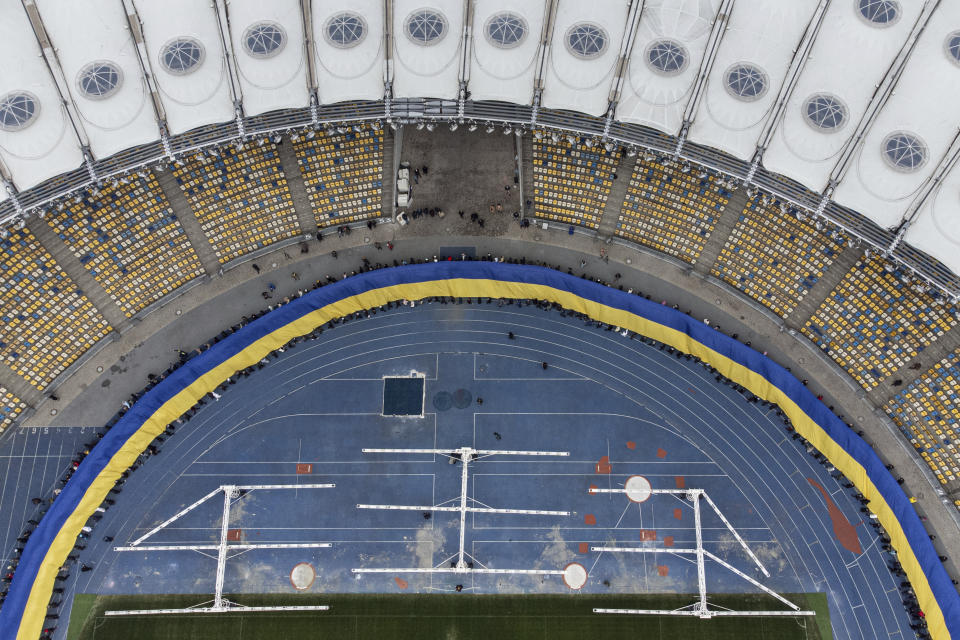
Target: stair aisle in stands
[
  {"x": 391, "y": 140},
  {"x": 74, "y": 268},
  {"x": 189, "y": 222},
  {"x": 526, "y": 173},
  {"x": 618, "y": 193},
  {"x": 19, "y": 387},
  {"x": 945, "y": 346},
  {"x": 726, "y": 223},
  {"x": 827, "y": 283},
  {"x": 298, "y": 192}
]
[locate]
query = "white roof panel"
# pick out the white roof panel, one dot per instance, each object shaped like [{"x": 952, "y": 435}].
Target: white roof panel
[
  {"x": 761, "y": 36},
  {"x": 847, "y": 61},
  {"x": 430, "y": 70},
  {"x": 924, "y": 105},
  {"x": 674, "y": 34},
  {"x": 47, "y": 145},
  {"x": 936, "y": 229},
  {"x": 269, "y": 80},
  {"x": 583, "y": 83},
  {"x": 353, "y": 71},
  {"x": 501, "y": 69},
  {"x": 125, "y": 117},
  {"x": 201, "y": 96}
]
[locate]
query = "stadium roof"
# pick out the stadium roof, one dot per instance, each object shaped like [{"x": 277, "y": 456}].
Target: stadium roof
[{"x": 854, "y": 99}]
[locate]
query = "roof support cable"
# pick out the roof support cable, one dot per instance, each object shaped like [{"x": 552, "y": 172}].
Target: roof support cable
[
  {"x": 680, "y": 140},
  {"x": 634, "y": 13},
  {"x": 882, "y": 94},
  {"x": 221, "y": 12},
  {"x": 52, "y": 61},
  {"x": 543, "y": 56},
  {"x": 314, "y": 109},
  {"x": 306, "y": 22},
  {"x": 608, "y": 122},
  {"x": 717, "y": 32},
  {"x": 800, "y": 56},
  {"x": 12, "y": 194},
  {"x": 135, "y": 25},
  {"x": 754, "y": 165},
  {"x": 387, "y": 57},
  {"x": 821, "y": 206},
  {"x": 461, "y": 100},
  {"x": 535, "y": 111},
  {"x": 238, "y": 118},
  {"x": 930, "y": 186},
  {"x": 466, "y": 41},
  {"x": 88, "y": 164},
  {"x": 388, "y": 101},
  {"x": 165, "y": 141}
]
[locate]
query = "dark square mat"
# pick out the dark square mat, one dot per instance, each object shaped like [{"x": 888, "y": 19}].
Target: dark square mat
[{"x": 403, "y": 396}]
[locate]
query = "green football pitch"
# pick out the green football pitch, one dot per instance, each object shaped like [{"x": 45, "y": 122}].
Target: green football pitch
[{"x": 464, "y": 617}]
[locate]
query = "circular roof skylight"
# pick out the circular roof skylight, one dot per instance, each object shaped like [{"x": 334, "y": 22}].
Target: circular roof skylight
[
  {"x": 825, "y": 113},
  {"x": 667, "y": 57},
  {"x": 264, "y": 39},
  {"x": 99, "y": 80},
  {"x": 506, "y": 30},
  {"x": 880, "y": 13},
  {"x": 904, "y": 151},
  {"x": 746, "y": 82},
  {"x": 345, "y": 30},
  {"x": 17, "y": 110},
  {"x": 182, "y": 55},
  {"x": 952, "y": 46},
  {"x": 586, "y": 40},
  {"x": 425, "y": 27}
]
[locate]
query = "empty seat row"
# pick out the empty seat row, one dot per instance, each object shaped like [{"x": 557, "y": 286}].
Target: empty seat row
[
  {"x": 928, "y": 414},
  {"x": 571, "y": 179},
  {"x": 671, "y": 208},
  {"x": 876, "y": 320},
  {"x": 774, "y": 257},
  {"x": 46, "y": 322},
  {"x": 240, "y": 197},
  {"x": 342, "y": 174},
  {"x": 127, "y": 236}
]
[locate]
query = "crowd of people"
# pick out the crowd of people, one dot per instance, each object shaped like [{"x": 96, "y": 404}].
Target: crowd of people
[{"x": 43, "y": 503}]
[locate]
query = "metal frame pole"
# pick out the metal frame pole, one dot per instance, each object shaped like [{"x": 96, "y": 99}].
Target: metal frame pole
[
  {"x": 701, "y": 575},
  {"x": 222, "y": 550}
]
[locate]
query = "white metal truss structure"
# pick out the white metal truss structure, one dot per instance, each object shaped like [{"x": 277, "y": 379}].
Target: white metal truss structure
[
  {"x": 223, "y": 548},
  {"x": 638, "y": 490},
  {"x": 466, "y": 505}
]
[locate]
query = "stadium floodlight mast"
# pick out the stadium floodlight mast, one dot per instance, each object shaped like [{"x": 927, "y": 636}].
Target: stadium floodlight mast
[
  {"x": 574, "y": 574},
  {"x": 219, "y": 604},
  {"x": 638, "y": 490}
]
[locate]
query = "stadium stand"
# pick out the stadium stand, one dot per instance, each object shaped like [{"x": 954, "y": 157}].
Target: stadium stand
[
  {"x": 127, "y": 236},
  {"x": 47, "y": 321},
  {"x": 571, "y": 180},
  {"x": 928, "y": 414},
  {"x": 775, "y": 258},
  {"x": 875, "y": 321},
  {"x": 10, "y": 407},
  {"x": 240, "y": 197},
  {"x": 342, "y": 174},
  {"x": 671, "y": 210}
]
